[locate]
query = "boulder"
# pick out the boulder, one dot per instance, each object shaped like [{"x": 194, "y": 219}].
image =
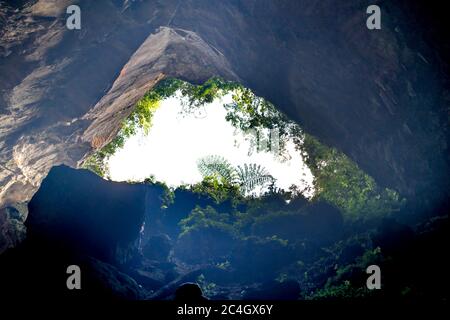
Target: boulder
[
  {"x": 157, "y": 248},
  {"x": 189, "y": 292},
  {"x": 79, "y": 211}
]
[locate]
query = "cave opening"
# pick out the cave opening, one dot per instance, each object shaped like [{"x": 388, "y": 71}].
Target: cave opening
[
  {"x": 181, "y": 135},
  {"x": 184, "y": 147},
  {"x": 155, "y": 187},
  {"x": 230, "y": 181},
  {"x": 178, "y": 142},
  {"x": 251, "y": 206}
]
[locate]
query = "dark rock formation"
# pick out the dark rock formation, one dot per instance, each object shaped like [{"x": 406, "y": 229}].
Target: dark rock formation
[
  {"x": 77, "y": 218},
  {"x": 85, "y": 213},
  {"x": 318, "y": 222},
  {"x": 256, "y": 260},
  {"x": 168, "y": 291},
  {"x": 392, "y": 236},
  {"x": 189, "y": 292},
  {"x": 107, "y": 282},
  {"x": 204, "y": 245},
  {"x": 157, "y": 248},
  {"x": 34, "y": 272}
]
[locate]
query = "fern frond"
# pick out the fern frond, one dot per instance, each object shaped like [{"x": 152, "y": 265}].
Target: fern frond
[
  {"x": 217, "y": 166},
  {"x": 252, "y": 176}
]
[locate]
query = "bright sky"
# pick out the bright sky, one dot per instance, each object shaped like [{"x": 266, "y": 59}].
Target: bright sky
[{"x": 175, "y": 142}]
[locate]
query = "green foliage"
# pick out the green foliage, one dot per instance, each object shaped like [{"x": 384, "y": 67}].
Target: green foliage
[
  {"x": 207, "y": 236},
  {"x": 218, "y": 190},
  {"x": 341, "y": 287},
  {"x": 208, "y": 288},
  {"x": 218, "y": 167},
  {"x": 247, "y": 111},
  {"x": 274, "y": 201},
  {"x": 167, "y": 197},
  {"x": 258, "y": 118},
  {"x": 270, "y": 222},
  {"x": 247, "y": 177},
  {"x": 252, "y": 175},
  {"x": 224, "y": 265},
  {"x": 371, "y": 256},
  {"x": 141, "y": 117},
  {"x": 340, "y": 181},
  {"x": 205, "y": 218},
  {"x": 96, "y": 163},
  {"x": 238, "y": 214},
  {"x": 345, "y": 290},
  {"x": 198, "y": 95}
]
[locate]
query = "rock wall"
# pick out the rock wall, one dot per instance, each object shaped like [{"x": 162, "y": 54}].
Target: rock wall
[
  {"x": 86, "y": 214},
  {"x": 379, "y": 96}
]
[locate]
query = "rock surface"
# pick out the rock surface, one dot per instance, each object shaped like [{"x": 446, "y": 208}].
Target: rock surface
[
  {"x": 33, "y": 272},
  {"x": 86, "y": 214},
  {"x": 189, "y": 292},
  {"x": 76, "y": 218},
  {"x": 379, "y": 96},
  {"x": 12, "y": 229}
]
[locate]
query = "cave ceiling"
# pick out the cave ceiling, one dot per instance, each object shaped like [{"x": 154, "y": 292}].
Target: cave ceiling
[{"x": 376, "y": 95}]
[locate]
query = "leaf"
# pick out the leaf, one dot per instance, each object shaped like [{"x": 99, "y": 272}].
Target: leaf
[
  {"x": 252, "y": 176},
  {"x": 217, "y": 166}
]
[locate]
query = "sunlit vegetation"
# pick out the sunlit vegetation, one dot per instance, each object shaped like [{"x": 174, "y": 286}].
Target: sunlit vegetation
[
  {"x": 141, "y": 117},
  {"x": 322, "y": 243},
  {"x": 340, "y": 285},
  {"x": 343, "y": 291},
  {"x": 247, "y": 177},
  {"x": 281, "y": 238},
  {"x": 218, "y": 190},
  {"x": 259, "y": 118},
  {"x": 338, "y": 180}
]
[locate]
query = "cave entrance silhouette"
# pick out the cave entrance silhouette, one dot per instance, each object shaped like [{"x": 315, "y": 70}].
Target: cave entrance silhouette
[{"x": 177, "y": 138}]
